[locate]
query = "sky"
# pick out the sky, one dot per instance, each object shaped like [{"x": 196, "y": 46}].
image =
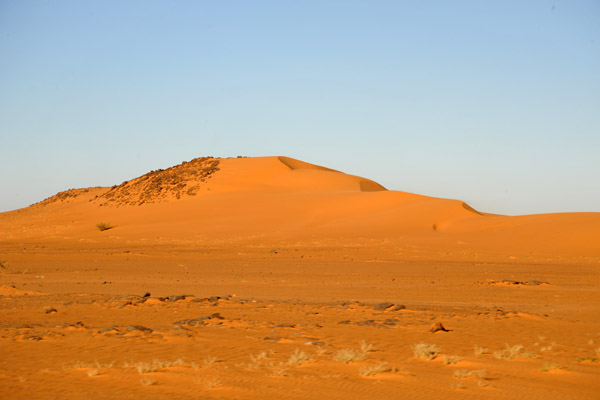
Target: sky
[{"x": 496, "y": 103}]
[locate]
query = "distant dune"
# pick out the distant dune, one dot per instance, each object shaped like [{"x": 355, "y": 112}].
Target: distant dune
[{"x": 274, "y": 198}]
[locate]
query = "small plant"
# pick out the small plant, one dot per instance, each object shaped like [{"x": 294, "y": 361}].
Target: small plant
[
  {"x": 510, "y": 352},
  {"x": 147, "y": 381},
  {"x": 155, "y": 365},
  {"x": 376, "y": 369},
  {"x": 320, "y": 351},
  {"x": 210, "y": 360},
  {"x": 579, "y": 359},
  {"x": 425, "y": 351},
  {"x": 449, "y": 360},
  {"x": 210, "y": 383},
  {"x": 93, "y": 372},
  {"x": 551, "y": 367},
  {"x": 259, "y": 356},
  {"x": 299, "y": 357},
  {"x": 348, "y": 355},
  {"x": 481, "y": 350},
  {"x": 277, "y": 369},
  {"x": 104, "y": 226},
  {"x": 463, "y": 373},
  {"x": 366, "y": 347}
]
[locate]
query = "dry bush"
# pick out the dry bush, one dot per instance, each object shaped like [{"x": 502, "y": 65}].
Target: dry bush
[
  {"x": 278, "y": 369},
  {"x": 212, "y": 383},
  {"x": 210, "y": 360},
  {"x": 348, "y": 355},
  {"x": 259, "y": 356},
  {"x": 425, "y": 351},
  {"x": 155, "y": 365},
  {"x": 147, "y": 381},
  {"x": 104, "y": 226},
  {"x": 376, "y": 369},
  {"x": 510, "y": 352},
  {"x": 320, "y": 351},
  {"x": 449, "y": 360},
  {"x": 551, "y": 367},
  {"x": 95, "y": 364},
  {"x": 481, "y": 350},
  {"x": 463, "y": 373},
  {"x": 366, "y": 347},
  {"x": 299, "y": 357}
]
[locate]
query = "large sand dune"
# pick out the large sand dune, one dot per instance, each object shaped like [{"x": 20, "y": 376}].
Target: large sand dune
[{"x": 300, "y": 255}]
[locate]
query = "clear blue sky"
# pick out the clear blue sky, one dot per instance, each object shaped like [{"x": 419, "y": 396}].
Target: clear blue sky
[{"x": 496, "y": 103}]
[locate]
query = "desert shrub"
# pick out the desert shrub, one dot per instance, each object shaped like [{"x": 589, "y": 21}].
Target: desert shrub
[
  {"x": 376, "y": 369},
  {"x": 510, "y": 352},
  {"x": 425, "y": 351},
  {"x": 103, "y": 226},
  {"x": 348, "y": 355},
  {"x": 299, "y": 357}
]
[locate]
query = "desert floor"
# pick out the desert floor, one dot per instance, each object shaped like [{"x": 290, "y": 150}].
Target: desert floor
[{"x": 294, "y": 321}]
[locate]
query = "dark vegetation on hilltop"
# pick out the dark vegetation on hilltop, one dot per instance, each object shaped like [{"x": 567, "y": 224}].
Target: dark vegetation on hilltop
[
  {"x": 153, "y": 187},
  {"x": 161, "y": 185}
]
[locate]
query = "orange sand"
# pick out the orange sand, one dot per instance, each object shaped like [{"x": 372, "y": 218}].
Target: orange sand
[{"x": 300, "y": 255}]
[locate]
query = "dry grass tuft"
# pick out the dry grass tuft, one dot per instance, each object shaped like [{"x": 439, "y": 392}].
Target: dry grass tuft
[
  {"x": 259, "y": 356},
  {"x": 510, "y": 352},
  {"x": 155, "y": 365},
  {"x": 147, "y": 381},
  {"x": 463, "y": 373},
  {"x": 348, "y": 355},
  {"x": 279, "y": 369},
  {"x": 299, "y": 357},
  {"x": 481, "y": 350},
  {"x": 450, "y": 360},
  {"x": 213, "y": 383},
  {"x": 104, "y": 226},
  {"x": 366, "y": 347},
  {"x": 425, "y": 351},
  {"x": 320, "y": 351},
  {"x": 376, "y": 369},
  {"x": 210, "y": 360},
  {"x": 551, "y": 367}
]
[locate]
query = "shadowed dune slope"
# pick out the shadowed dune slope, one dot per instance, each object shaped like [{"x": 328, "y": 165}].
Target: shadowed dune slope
[{"x": 280, "y": 198}]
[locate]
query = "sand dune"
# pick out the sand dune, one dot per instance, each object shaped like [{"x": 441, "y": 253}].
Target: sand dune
[
  {"x": 280, "y": 197},
  {"x": 270, "y": 277}
]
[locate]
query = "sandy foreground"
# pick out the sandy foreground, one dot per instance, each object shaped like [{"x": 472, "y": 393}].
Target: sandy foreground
[{"x": 270, "y": 278}]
